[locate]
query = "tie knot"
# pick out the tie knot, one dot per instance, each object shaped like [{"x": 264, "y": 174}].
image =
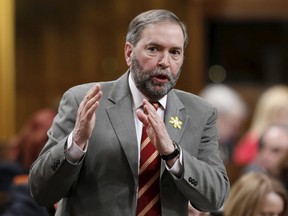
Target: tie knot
[{"x": 155, "y": 104}]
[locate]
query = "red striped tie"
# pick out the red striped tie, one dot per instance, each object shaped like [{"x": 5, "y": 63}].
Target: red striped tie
[{"x": 149, "y": 175}]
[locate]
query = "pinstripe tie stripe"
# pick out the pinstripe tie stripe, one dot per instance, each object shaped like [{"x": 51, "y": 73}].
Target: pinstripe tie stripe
[{"x": 149, "y": 175}]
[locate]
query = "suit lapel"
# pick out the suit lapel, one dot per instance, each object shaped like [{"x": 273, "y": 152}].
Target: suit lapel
[
  {"x": 121, "y": 116},
  {"x": 174, "y": 108}
]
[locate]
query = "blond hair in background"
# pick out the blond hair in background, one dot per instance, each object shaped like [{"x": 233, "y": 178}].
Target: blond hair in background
[
  {"x": 271, "y": 107},
  {"x": 248, "y": 194}
]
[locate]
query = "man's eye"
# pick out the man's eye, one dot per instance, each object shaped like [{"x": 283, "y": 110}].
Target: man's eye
[
  {"x": 152, "y": 49},
  {"x": 176, "y": 53}
]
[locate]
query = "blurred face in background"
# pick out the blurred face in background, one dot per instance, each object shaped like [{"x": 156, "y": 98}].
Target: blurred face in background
[
  {"x": 274, "y": 149},
  {"x": 279, "y": 115},
  {"x": 273, "y": 205}
]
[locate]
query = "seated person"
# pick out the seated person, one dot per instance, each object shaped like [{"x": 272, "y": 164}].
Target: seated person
[
  {"x": 273, "y": 147},
  {"x": 256, "y": 194}
]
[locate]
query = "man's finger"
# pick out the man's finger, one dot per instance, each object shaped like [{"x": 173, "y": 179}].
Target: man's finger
[{"x": 142, "y": 117}]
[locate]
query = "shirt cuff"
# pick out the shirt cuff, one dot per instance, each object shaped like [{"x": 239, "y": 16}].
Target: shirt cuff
[
  {"x": 177, "y": 168},
  {"x": 73, "y": 153}
]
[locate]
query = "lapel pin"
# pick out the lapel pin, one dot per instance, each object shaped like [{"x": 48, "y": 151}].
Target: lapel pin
[{"x": 175, "y": 122}]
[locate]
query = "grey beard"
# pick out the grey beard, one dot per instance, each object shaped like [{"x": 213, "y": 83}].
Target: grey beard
[{"x": 143, "y": 81}]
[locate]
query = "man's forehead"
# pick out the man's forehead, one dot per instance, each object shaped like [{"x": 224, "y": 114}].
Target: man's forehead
[
  {"x": 158, "y": 32},
  {"x": 163, "y": 23}
]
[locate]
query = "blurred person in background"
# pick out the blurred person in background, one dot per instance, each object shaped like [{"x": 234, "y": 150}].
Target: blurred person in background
[
  {"x": 19, "y": 154},
  {"x": 27, "y": 144},
  {"x": 256, "y": 194},
  {"x": 273, "y": 148},
  {"x": 232, "y": 114},
  {"x": 271, "y": 108}
]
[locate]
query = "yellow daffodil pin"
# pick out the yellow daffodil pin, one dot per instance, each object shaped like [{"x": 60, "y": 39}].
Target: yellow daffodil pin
[{"x": 175, "y": 122}]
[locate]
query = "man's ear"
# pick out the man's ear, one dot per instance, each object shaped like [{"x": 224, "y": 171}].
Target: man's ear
[{"x": 128, "y": 49}]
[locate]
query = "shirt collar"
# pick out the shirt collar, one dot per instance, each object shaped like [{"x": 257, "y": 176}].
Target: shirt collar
[{"x": 138, "y": 96}]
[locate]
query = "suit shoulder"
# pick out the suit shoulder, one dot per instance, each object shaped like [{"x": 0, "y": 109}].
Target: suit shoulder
[
  {"x": 192, "y": 100},
  {"x": 82, "y": 89}
]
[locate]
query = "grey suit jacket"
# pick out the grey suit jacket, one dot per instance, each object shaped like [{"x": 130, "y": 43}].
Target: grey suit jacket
[{"x": 105, "y": 180}]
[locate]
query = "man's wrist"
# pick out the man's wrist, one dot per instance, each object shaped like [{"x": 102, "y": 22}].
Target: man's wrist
[{"x": 174, "y": 154}]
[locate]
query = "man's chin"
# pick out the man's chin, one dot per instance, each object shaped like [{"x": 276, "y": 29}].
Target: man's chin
[
  {"x": 157, "y": 93},
  {"x": 159, "y": 89}
]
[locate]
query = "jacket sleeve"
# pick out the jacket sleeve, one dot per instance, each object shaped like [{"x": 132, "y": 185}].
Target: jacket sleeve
[
  {"x": 204, "y": 181},
  {"x": 51, "y": 171}
]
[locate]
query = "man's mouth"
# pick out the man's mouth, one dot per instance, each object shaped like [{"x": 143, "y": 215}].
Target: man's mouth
[{"x": 160, "y": 78}]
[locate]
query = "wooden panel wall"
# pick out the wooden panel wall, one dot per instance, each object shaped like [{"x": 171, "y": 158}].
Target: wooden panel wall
[{"x": 247, "y": 9}]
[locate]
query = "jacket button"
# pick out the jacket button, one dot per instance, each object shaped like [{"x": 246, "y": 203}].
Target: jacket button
[{"x": 193, "y": 181}]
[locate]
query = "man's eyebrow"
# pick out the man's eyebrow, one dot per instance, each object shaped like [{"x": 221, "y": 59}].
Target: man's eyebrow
[
  {"x": 177, "y": 48},
  {"x": 153, "y": 44},
  {"x": 159, "y": 45}
]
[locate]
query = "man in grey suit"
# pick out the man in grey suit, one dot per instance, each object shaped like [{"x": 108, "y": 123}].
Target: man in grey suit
[{"x": 90, "y": 164}]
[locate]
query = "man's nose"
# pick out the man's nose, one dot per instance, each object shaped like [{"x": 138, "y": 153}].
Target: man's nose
[{"x": 164, "y": 60}]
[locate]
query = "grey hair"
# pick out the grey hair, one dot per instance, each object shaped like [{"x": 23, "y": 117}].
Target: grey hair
[{"x": 138, "y": 24}]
